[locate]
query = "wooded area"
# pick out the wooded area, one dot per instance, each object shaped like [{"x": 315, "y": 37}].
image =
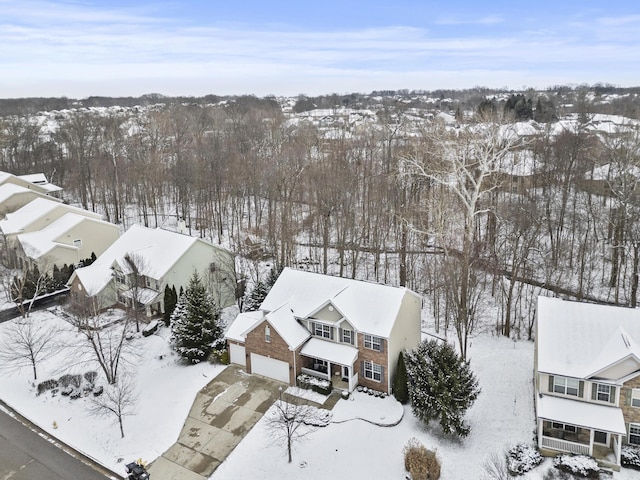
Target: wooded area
[{"x": 386, "y": 190}]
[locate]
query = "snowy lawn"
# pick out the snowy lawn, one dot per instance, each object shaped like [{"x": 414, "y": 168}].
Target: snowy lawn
[
  {"x": 501, "y": 417},
  {"x": 165, "y": 393},
  {"x": 349, "y": 447}
]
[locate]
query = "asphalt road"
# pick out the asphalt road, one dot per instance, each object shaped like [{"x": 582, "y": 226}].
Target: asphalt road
[{"x": 25, "y": 455}]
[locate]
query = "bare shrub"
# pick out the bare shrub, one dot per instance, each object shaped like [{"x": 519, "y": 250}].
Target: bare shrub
[{"x": 420, "y": 462}]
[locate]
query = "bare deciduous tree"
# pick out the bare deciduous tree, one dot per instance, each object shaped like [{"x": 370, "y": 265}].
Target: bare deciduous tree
[
  {"x": 118, "y": 400},
  {"x": 26, "y": 343},
  {"x": 290, "y": 422}
]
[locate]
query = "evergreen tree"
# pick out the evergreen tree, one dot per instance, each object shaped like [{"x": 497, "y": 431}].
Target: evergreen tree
[
  {"x": 274, "y": 273},
  {"x": 170, "y": 301},
  {"x": 400, "y": 388},
  {"x": 194, "y": 322},
  {"x": 255, "y": 298},
  {"x": 441, "y": 385}
]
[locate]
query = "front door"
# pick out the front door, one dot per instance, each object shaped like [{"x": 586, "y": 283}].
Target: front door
[{"x": 345, "y": 373}]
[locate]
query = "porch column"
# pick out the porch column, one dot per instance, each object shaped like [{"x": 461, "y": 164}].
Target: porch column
[
  {"x": 540, "y": 433},
  {"x": 619, "y": 449},
  {"x": 591, "y": 436}
]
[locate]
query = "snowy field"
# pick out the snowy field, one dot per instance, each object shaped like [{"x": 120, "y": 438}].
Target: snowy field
[{"x": 348, "y": 448}]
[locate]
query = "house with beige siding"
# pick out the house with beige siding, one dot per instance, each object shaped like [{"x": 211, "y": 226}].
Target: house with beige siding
[
  {"x": 13, "y": 197},
  {"x": 587, "y": 379},
  {"x": 347, "y": 331},
  {"x": 65, "y": 241},
  {"x": 35, "y": 216},
  {"x": 142, "y": 262}
]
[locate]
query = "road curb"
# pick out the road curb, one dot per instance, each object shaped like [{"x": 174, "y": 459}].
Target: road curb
[{"x": 83, "y": 457}]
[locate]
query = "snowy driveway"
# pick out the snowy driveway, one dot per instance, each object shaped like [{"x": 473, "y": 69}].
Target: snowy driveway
[{"x": 223, "y": 412}]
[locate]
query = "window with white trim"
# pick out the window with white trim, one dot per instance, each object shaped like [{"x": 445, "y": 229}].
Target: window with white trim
[
  {"x": 566, "y": 386},
  {"x": 120, "y": 278},
  {"x": 635, "y": 397},
  {"x": 564, "y": 426},
  {"x": 373, "y": 371},
  {"x": 347, "y": 336},
  {"x": 372, "y": 342},
  {"x": 603, "y": 392},
  {"x": 322, "y": 330},
  {"x": 634, "y": 433},
  {"x": 267, "y": 334}
]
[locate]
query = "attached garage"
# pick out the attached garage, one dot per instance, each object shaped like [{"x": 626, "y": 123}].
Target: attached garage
[
  {"x": 270, "y": 367},
  {"x": 237, "y": 354}
]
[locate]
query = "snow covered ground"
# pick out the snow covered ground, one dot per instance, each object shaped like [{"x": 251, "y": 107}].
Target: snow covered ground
[{"x": 348, "y": 448}]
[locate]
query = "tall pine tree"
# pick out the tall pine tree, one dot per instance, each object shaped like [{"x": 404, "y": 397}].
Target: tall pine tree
[
  {"x": 441, "y": 385},
  {"x": 194, "y": 322}
]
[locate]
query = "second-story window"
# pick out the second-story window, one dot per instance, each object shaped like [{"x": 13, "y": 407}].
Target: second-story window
[
  {"x": 603, "y": 392},
  {"x": 322, "y": 330},
  {"x": 373, "y": 343},
  {"x": 267, "y": 334},
  {"x": 347, "y": 336},
  {"x": 635, "y": 397},
  {"x": 566, "y": 386}
]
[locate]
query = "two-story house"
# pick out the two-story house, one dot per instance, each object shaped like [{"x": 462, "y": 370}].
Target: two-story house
[
  {"x": 587, "y": 378},
  {"x": 142, "y": 262},
  {"x": 347, "y": 331}
]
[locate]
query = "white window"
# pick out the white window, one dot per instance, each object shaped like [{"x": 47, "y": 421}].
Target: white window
[
  {"x": 119, "y": 277},
  {"x": 77, "y": 243},
  {"x": 373, "y": 371},
  {"x": 347, "y": 336},
  {"x": 603, "y": 392},
  {"x": 635, "y": 397},
  {"x": 267, "y": 334},
  {"x": 373, "y": 343},
  {"x": 566, "y": 386},
  {"x": 634, "y": 433},
  {"x": 322, "y": 330}
]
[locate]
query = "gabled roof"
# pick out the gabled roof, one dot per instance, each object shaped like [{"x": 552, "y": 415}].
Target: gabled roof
[
  {"x": 38, "y": 243},
  {"x": 158, "y": 250},
  {"x": 285, "y": 323},
  {"x": 35, "y": 210},
  {"x": 369, "y": 307},
  {"x": 37, "y": 180},
  {"x": 243, "y": 323},
  {"x": 580, "y": 340}
]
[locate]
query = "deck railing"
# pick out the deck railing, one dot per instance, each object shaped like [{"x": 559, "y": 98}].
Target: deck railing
[{"x": 564, "y": 446}]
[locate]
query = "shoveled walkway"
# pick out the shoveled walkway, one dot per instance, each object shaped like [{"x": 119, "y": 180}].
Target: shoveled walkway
[{"x": 222, "y": 414}]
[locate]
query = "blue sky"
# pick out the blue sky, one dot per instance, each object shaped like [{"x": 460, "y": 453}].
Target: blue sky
[{"x": 79, "y": 48}]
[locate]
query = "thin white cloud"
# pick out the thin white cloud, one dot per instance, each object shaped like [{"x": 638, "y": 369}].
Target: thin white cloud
[{"x": 46, "y": 44}]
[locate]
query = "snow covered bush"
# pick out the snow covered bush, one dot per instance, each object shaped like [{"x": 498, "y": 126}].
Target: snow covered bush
[
  {"x": 308, "y": 382},
  {"x": 47, "y": 385},
  {"x": 579, "y": 465},
  {"x": 630, "y": 456},
  {"x": 522, "y": 458},
  {"x": 421, "y": 463}
]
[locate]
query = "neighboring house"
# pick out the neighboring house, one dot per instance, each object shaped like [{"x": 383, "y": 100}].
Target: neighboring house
[
  {"x": 142, "y": 262},
  {"x": 36, "y": 182},
  {"x": 587, "y": 378},
  {"x": 348, "y": 331},
  {"x": 13, "y": 197},
  {"x": 518, "y": 173},
  {"x": 65, "y": 241},
  {"x": 32, "y": 217},
  {"x": 611, "y": 180}
]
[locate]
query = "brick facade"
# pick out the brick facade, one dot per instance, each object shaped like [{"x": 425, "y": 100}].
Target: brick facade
[
  {"x": 631, "y": 414},
  {"x": 277, "y": 348},
  {"x": 380, "y": 358}
]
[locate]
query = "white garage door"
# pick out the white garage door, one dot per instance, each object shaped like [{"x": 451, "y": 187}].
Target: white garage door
[
  {"x": 270, "y": 367},
  {"x": 237, "y": 354}
]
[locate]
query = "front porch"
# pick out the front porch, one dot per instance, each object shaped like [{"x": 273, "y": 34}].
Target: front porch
[
  {"x": 330, "y": 361},
  {"x": 581, "y": 428}
]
